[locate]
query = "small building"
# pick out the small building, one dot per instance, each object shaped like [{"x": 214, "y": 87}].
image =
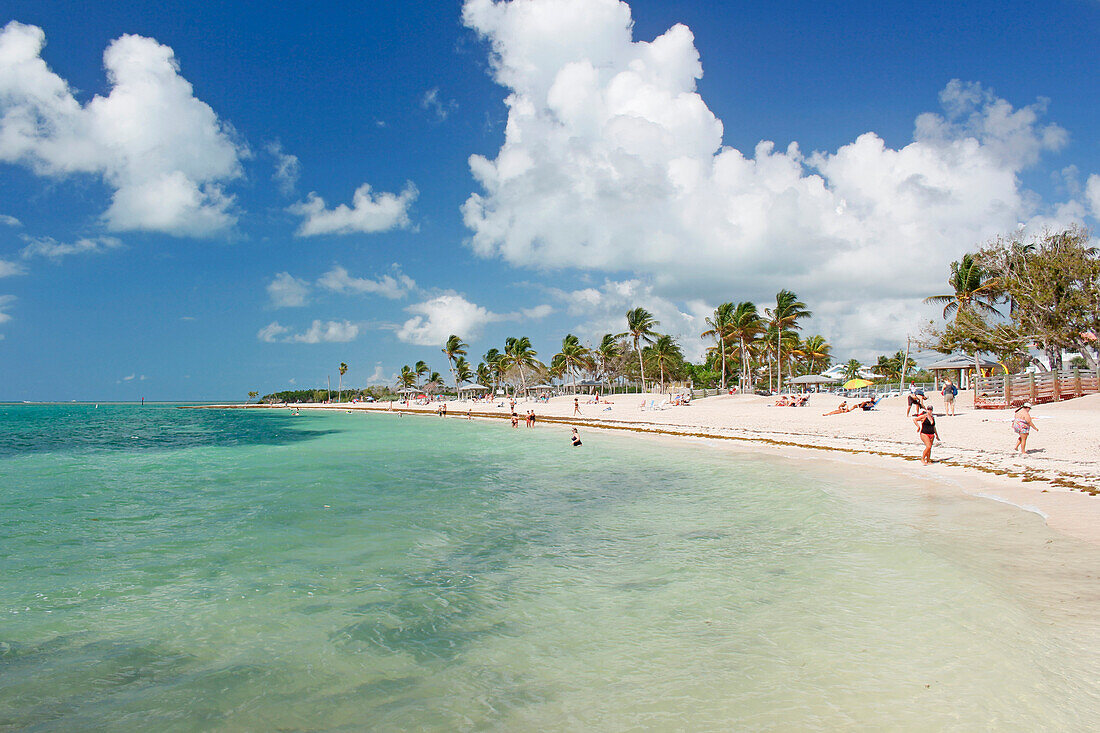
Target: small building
[{"x": 960, "y": 363}]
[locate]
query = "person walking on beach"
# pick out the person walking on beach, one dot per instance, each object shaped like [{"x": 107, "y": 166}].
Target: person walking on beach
[
  {"x": 1022, "y": 425},
  {"x": 576, "y": 406},
  {"x": 915, "y": 399},
  {"x": 926, "y": 428},
  {"x": 949, "y": 391}
]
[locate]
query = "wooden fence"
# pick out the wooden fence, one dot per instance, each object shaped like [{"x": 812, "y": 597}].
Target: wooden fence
[{"x": 1011, "y": 390}]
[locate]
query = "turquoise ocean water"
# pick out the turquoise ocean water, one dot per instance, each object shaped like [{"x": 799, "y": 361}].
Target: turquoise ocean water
[{"x": 165, "y": 569}]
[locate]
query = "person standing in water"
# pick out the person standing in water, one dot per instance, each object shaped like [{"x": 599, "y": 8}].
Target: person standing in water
[
  {"x": 575, "y": 438},
  {"x": 926, "y": 428},
  {"x": 1022, "y": 425}
]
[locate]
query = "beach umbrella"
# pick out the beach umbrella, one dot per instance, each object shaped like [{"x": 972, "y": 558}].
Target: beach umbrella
[
  {"x": 472, "y": 387},
  {"x": 857, "y": 383}
]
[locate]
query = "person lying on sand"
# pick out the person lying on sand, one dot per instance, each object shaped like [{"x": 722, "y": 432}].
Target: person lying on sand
[{"x": 842, "y": 408}]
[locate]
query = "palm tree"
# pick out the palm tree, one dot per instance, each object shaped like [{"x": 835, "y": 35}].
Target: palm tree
[
  {"x": 407, "y": 377},
  {"x": 815, "y": 350},
  {"x": 454, "y": 348},
  {"x": 639, "y": 326},
  {"x": 851, "y": 369},
  {"x": 606, "y": 353},
  {"x": 253, "y": 394},
  {"x": 888, "y": 367},
  {"x": 573, "y": 357},
  {"x": 519, "y": 354},
  {"x": 975, "y": 291},
  {"x": 492, "y": 360},
  {"x": 340, "y": 386},
  {"x": 745, "y": 327},
  {"x": 666, "y": 354},
  {"x": 462, "y": 371},
  {"x": 484, "y": 374},
  {"x": 720, "y": 331},
  {"x": 973, "y": 288},
  {"x": 784, "y": 318},
  {"x": 421, "y": 368}
]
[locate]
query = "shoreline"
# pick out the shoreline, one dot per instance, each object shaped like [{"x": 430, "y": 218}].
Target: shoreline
[{"x": 1062, "y": 489}]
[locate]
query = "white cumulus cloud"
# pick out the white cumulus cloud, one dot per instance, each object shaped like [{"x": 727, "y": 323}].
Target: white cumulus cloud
[
  {"x": 1092, "y": 192},
  {"x": 287, "y": 167},
  {"x": 393, "y": 285},
  {"x": 163, "y": 151},
  {"x": 369, "y": 212},
  {"x": 54, "y": 250},
  {"x": 287, "y": 291},
  {"x": 436, "y": 319},
  {"x": 9, "y": 268},
  {"x": 6, "y": 302},
  {"x": 612, "y": 160},
  {"x": 435, "y": 104},
  {"x": 272, "y": 332},
  {"x": 10, "y": 221},
  {"x": 318, "y": 332},
  {"x": 328, "y": 332}
]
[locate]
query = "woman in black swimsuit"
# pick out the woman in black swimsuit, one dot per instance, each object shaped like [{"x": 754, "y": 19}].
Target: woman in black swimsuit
[{"x": 926, "y": 428}]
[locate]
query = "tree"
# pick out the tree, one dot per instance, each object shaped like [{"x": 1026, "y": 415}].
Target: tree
[
  {"x": 973, "y": 288},
  {"x": 252, "y": 395},
  {"x": 815, "y": 351},
  {"x": 720, "y": 331},
  {"x": 519, "y": 354},
  {"x": 666, "y": 355},
  {"x": 484, "y": 374},
  {"x": 852, "y": 368},
  {"x": 493, "y": 359},
  {"x": 606, "y": 355},
  {"x": 745, "y": 328},
  {"x": 639, "y": 326},
  {"x": 1053, "y": 288},
  {"x": 421, "y": 368},
  {"x": 340, "y": 387},
  {"x": 407, "y": 377},
  {"x": 454, "y": 348},
  {"x": 572, "y": 357},
  {"x": 462, "y": 371},
  {"x": 784, "y": 318}
]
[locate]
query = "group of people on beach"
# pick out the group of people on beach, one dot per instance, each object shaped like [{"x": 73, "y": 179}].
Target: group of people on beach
[
  {"x": 528, "y": 419},
  {"x": 925, "y": 420}
]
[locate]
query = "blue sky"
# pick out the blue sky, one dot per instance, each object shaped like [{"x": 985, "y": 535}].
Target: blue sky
[{"x": 150, "y": 247}]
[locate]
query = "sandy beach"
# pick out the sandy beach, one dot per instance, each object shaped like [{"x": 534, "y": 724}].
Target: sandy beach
[{"x": 1059, "y": 478}]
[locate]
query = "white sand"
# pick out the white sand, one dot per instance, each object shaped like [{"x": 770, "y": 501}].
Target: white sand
[{"x": 1055, "y": 478}]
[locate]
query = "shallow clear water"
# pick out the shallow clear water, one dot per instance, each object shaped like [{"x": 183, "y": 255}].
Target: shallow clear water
[{"x": 194, "y": 570}]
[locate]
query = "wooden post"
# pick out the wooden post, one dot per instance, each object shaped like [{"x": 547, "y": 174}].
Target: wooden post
[
  {"x": 1031, "y": 380},
  {"x": 1008, "y": 390},
  {"x": 1077, "y": 382}
]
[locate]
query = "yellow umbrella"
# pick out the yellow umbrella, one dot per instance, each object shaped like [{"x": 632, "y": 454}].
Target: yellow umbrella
[{"x": 856, "y": 384}]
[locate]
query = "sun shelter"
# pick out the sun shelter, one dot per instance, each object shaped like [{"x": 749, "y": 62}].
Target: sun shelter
[
  {"x": 958, "y": 362},
  {"x": 472, "y": 388},
  {"x": 814, "y": 379}
]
